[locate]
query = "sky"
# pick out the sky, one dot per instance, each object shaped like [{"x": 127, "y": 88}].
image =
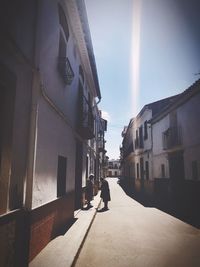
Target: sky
[{"x": 145, "y": 50}]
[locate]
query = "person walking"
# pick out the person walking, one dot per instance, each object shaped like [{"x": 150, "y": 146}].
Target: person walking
[
  {"x": 105, "y": 193},
  {"x": 89, "y": 190}
]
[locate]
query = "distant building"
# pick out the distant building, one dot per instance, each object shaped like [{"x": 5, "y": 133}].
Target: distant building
[
  {"x": 136, "y": 150},
  {"x": 114, "y": 168}
]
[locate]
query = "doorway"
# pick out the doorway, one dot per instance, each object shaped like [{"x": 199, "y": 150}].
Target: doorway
[{"x": 176, "y": 166}]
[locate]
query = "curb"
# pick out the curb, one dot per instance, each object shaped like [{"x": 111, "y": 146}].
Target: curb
[
  {"x": 86, "y": 233},
  {"x": 63, "y": 251}
]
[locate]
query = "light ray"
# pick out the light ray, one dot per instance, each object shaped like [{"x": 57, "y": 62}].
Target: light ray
[{"x": 135, "y": 55}]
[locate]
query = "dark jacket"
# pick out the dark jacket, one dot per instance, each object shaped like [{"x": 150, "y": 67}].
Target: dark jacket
[
  {"x": 89, "y": 190},
  {"x": 105, "y": 191}
]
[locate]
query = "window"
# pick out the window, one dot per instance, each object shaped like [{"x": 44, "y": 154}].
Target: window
[
  {"x": 145, "y": 130},
  {"x": 141, "y": 137},
  {"x": 137, "y": 139},
  {"x": 194, "y": 170},
  {"x": 64, "y": 65},
  {"x": 61, "y": 176},
  {"x": 163, "y": 170}
]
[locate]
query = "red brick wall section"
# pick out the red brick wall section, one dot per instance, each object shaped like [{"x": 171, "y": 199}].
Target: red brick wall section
[
  {"x": 49, "y": 221},
  {"x": 13, "y": 239}
]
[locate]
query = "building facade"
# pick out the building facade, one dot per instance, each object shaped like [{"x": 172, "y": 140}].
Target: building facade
[
  {"x": 114, "y": 168},
  {"x": 49, "y": 122},
  {"x": 163, "y": 145},
  {"x": 176, "y": 140},
  {"x": 136, "y": 150}
]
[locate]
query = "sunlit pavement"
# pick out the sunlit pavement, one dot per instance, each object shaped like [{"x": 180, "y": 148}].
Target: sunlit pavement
[{"x": 129, "y": 234}]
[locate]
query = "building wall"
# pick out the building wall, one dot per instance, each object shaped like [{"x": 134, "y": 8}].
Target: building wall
[
  {"x": 64, "y": 96},
  {"x": 147, "y": 157},
  {"x": 56, "y": 129},
  {"x": 52, "y": 141},
  {"x": 114, "y": 168},
  {"x": 15, "y": 84},
  {"x": 40, "y": 124},
  {"x": 158, "y": 161},
  {"x": 16, "y": 74},
  {"x": 159, "y": 155},
  {"x": 188, "y": 119},
  {"x": 144, "y": 152},
  {"x": 114, "y": 172}
]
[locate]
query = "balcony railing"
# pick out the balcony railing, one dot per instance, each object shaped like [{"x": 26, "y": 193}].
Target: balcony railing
[
  {"x": 85, "y": 118},
  {"x": 65, "y": 69},
  {"x": 172, "y": 137}
]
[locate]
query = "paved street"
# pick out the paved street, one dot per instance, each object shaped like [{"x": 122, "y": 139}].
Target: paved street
[{"x": 129, "y": 234}]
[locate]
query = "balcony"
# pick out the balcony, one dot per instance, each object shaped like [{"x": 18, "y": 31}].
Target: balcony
[
  {"x": 172, "y": 138},
  {"x": 85, "y": 125},
  {"x": 65, "y": 70}
]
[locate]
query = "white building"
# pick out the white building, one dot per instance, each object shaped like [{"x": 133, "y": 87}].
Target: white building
[
  {"x": 176, "y": 139},
  {"x": 136, "y": 150},
  {"x": 114, "y": 168},
  {"x": 167, "y": 161},
  {"x": 49, "y": 143}
]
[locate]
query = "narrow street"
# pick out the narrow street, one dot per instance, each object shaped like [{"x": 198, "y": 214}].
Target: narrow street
[{"x": 129, "y": 234}]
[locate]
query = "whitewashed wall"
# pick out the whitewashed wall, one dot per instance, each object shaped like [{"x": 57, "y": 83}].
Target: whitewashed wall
[
  {"x": 159, "y": 155},
  {"x": 53, "y": 138},
  {"x": 188, "y": 118},
  {"x": 56, "y": 135}
]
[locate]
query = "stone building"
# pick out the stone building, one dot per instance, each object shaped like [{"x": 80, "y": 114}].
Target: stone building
[{"x": 49, "y": 122}]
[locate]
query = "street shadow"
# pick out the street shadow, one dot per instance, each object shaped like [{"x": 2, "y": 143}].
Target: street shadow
[
  {"x": 139, "y": 197},
  {"x": 68, "y": 226},
  {"x": 175, "y": 207}
]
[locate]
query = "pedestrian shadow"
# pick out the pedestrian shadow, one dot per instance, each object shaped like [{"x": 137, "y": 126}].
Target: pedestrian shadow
[
  {"x": 102, "y": 210},
  {"x": 87, "y": 207}
]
